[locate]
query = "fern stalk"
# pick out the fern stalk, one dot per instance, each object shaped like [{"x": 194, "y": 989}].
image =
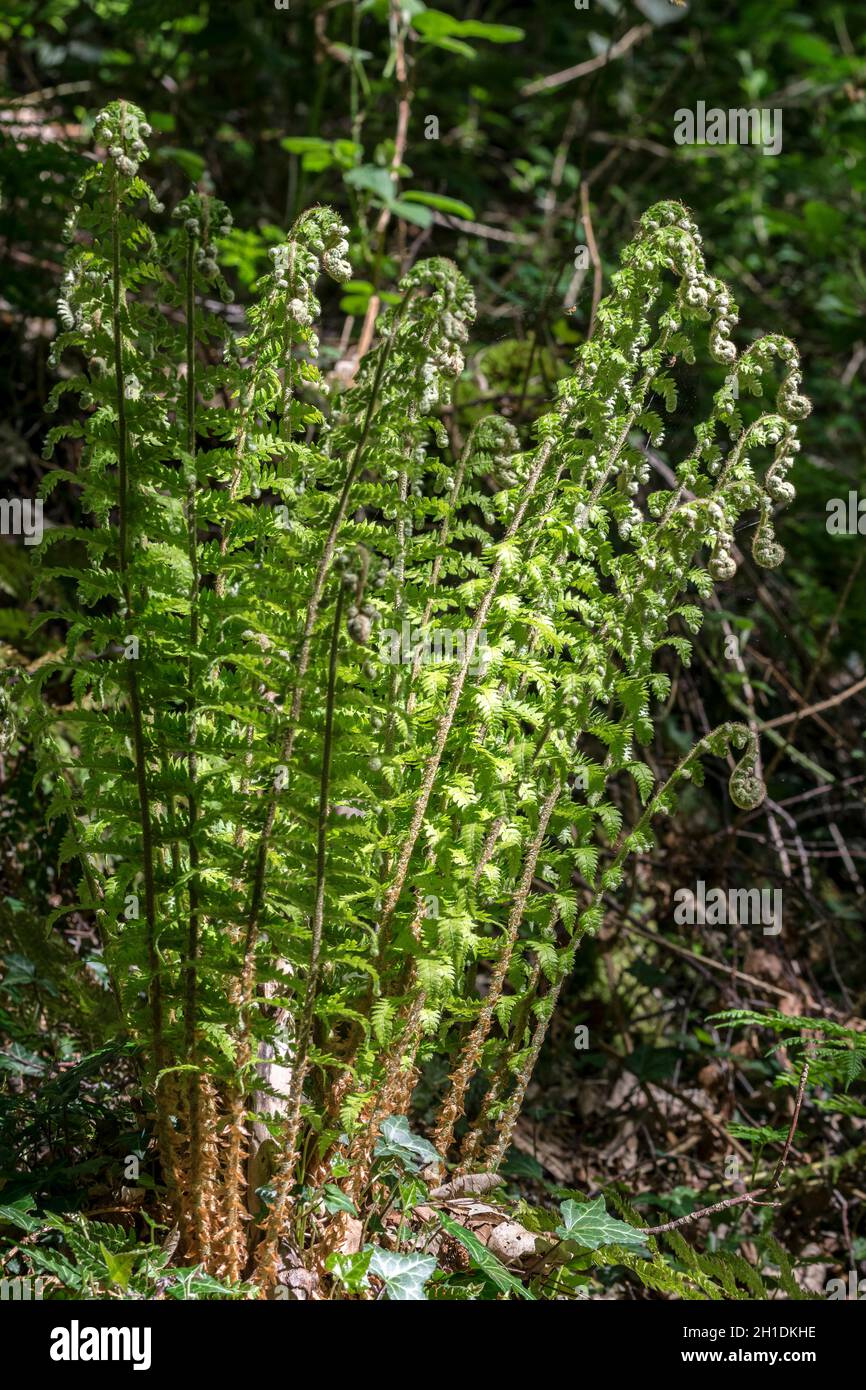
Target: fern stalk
[
  {"x": 154, "y": 964},
  {"x": 198, "y": 1201},
  {"x": 445, "y": 723},
  {"x": 452, "y": 1107},
  {"x": 300, "y": 1060}
]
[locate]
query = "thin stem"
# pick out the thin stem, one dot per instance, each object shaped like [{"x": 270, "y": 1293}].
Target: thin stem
[
  {"x": 192, "y": 947},
  {"x": 153, "y": 958},
  {"x": 192, "y": 760},
  {"x": 462, "y": 1075},
  {"x": 300, "y": 1062},
  {"x": 118, "y": 301}
]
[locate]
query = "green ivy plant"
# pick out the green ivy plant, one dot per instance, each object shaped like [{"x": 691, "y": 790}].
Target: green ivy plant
[{"x": 302, "y": 836}]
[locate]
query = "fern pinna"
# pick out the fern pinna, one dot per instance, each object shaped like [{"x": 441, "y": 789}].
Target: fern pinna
[{"x": 348, "y": 707}]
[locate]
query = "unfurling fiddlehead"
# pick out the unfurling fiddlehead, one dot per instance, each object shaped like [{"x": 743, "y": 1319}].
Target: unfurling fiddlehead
[{"x": 341, "y": 703}]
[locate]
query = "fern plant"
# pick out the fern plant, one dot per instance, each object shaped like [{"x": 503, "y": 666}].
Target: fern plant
[
  {"x": 302, "y": 837},
  {"x": 832, "y": 1056}
]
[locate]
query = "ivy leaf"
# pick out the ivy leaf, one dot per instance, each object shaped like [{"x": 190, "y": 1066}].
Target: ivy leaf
[
  {"x": 351, "y": 1270},
  {"x": 19, "y": 1214},
  {"x": 404, "y": 1276},
  {"x": 192, "y": 1285},
  {"x": 482, "y": 1259},
  {"x": 589, "y": 1224},
  {"x": 396, "y": 1140},
  {"x": 335, "y": 1199}
]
